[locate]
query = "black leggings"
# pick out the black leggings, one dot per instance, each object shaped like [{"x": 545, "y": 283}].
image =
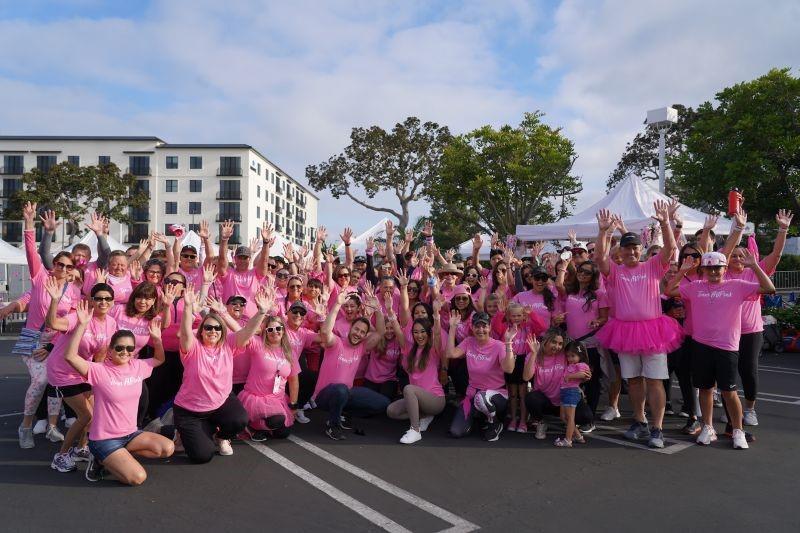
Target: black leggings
[
  {"x": 387, "y": 388},
  {"x": 592, "y": 387},
  {"x": 276, "y": 426},
  {"x": 539, "y": 405},
  {"x": 197, "y": 429},
  {"x": 457, "y": 370},
  {"x": 749, "y": 349},
  {"x": 164, "y": 382},
  {"x": 684, "y": 372}
]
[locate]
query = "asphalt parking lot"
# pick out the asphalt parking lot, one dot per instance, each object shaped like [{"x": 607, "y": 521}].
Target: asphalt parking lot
[{"x": 372, "y": 483}]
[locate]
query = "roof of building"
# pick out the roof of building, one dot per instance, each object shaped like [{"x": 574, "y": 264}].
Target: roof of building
[{"x": 76, "y": 138}]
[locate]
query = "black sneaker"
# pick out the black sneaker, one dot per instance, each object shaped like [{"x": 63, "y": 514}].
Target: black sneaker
[
  {"x": 587, "y": 428},
  {"x": 493, "y": 432},
  {"x": 258, "y": 436},
  {"x": 335, "y": 432},
  {"x": 95, "y": 470},
  {"x": 747, "y": 435},
  {"x": 692, "y": 427},
  {"x": 346, "y": 422},
  {"x": 668, "y": 410}
]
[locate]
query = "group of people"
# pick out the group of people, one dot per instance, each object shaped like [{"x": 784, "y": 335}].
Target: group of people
[{"x": 165, "y": 348}]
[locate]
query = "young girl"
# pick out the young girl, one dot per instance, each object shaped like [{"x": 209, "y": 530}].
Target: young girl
[
  {"x": 575, "y": 374},
  {"x": 381, "y": 372}
]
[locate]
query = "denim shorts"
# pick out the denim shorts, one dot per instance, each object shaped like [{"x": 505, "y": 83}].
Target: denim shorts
[
  {"x": 570, "y": 397},
  {"x": 103, "y": 448}
]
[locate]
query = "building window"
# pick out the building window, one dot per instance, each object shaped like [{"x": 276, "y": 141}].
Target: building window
[
  {"x": 229, "y": 190},
  {"x": 11, "y": 186},
  {"x": 230, "y": 166},
  {"x": 45, "y": 162},
  {"x": 171, "y": 208},
  {"x": 172, "y": 185},
  {"x": 12, "y": 164},
  {"x": 74, "y": 160},
  {"x": 258, "y": 168},
  {"x": 229, "y": 211},
  {"x": 258, "y": 191},
  {"x": 195, "y": 185},
  {"x": 137, "y": 232},
  {"x": 271, "y": 218},
  {"x": 140, "y": 214},
  {"x": 258, "y": 211},
  {"x": 195, "y": 208},
  {"x": 196, "y": 162},
  {"x": 194, "y": 227},
  {"x": 104, "y": 160},
  {"x": 172, "y": 162},
  {"x": 272, "y": 177},
  {"x": 142, "y": 186},
  {"x": 139, "y": 165}
]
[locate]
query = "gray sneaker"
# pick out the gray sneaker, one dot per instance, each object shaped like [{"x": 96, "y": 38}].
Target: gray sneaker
[
  {"x": 656, "y": 438},
  {"x": 638, "y": 430},
  {"x": 25, "y": 438},
  {"x": 63, "y": 462},
  {"x": 80, "y": 454},
  {"x": 750, "y": 418},
  {"x": 541, "y": 431},
  {"x": 54, "y": 435}
]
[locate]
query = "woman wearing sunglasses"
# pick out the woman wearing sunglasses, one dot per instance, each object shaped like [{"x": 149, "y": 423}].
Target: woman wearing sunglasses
[
  {"x": 65, "y": 382},
  {"x": 542, "y": 299},
  {"x": 116, "y": 385},
  {"x": 273, "y": 365},
  {"x": 30, "y": 337},
  {"x": 205, "y": 405},
  {"x": 242, "y": 280}
]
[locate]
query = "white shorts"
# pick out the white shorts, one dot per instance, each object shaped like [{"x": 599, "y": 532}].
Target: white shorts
[{"x": 653, "y": 366}]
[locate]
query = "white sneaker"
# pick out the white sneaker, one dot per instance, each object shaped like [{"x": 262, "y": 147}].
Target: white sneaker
[
  {"x": 541, "y": 431},
  {"x": 708, "y": 435},
  {"x": 739, "y": 440},
  {"x": 40, "y": 427},
  {"x": 54, "y": 435},
  {"x": 69, "y": 421},
  {"x": 750, "y": 418},
  {"x": 610, "y": 414},
  {"x": 411, "y": 436},
  {"x": 424, "y": 422},
  {"x": 224, "y": 447},
  {"x": 300, "y": 416}
]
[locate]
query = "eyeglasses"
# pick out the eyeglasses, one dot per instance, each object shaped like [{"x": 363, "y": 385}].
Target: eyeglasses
[
  {"x": 237, "y": 303},
  {"x": 153, "y": 272},
  {"x": 282, "y": 275},
  {"x": 343, "y": 275},
  {"x": 413, "y": 288},
  {"x": 188, "y": 256},
  {"x": 64, "y": 266},
  {"x": 461, "y": 298},
  {"x": 174, "y": 282},
  {"x": 541, "y": 277},
  {"x": 209, "y": 327},
  {"x": 471, "y": 275},
  {"x": 276, "y": 329},
  {"x": 297, "y": 311},
  {"x": 119, "y": 348},
  {"x": 103, "y": 298},
  {"x": 295, "y": 286},
  {"x": 586, "y": 272}
]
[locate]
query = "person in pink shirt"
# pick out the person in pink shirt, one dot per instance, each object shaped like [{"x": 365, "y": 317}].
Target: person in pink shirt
[
  {"x": 65, "y": 382},
  {"x": 116, "y": 385},
  {"x": 334, "y": 391},
  {"x": 638, "y": 331},
  {"x": 576, "y": 373},
  {"x": 232, "y": 312},
  {"x": 306, "y": 351},
  {"x": 205, "y": 406},
  {"x": 542, "y": 298},
  {"x": 31, "y": 336},
  {"x": 423, "y": 397},
  {"x": 384, "y": 359},
  {"x": 488, "y": 360},
  {"x": 716, "y": 315},
  {"x": 241, "y": 280},
  {"x": 273, "y": 366}
]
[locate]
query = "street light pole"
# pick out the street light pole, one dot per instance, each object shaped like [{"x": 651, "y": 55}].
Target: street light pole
[
  {"x": 662, "y": 119},
  {"x": 662, "y": 148}
]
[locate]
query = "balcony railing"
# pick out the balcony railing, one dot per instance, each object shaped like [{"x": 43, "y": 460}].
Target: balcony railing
[
  {"x": 278, "y": 227},
  {"x": 236, "y": 171},
  {"x": 278, "y": 209},
  {"x": 8, "y": 193},
  {"x": 233, "y": 217},
  {"x": 229, "y": 195},
  {"x": 138, "y": 171},
  {"x": 140, "y": 217},
  {"x": 299, "y": 216},
  {"x": 12, "y": 170},
  {"x": 279, "y": 189}
]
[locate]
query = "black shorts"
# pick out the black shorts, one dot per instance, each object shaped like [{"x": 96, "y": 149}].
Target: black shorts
[
  {"x": 68, "y": 390},
  {"x": 714, "y": 366},
  {"x": 515, "y": 377}
]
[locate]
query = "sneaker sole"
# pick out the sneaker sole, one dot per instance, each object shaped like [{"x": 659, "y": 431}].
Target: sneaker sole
[{"x": 63, "y": 471}]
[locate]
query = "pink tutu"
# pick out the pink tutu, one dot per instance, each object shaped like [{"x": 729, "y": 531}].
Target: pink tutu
[
  {"x": 643, "y": 337},
  {"x": 259, "y": 407}
]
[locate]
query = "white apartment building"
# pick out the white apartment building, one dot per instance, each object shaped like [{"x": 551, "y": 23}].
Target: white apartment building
[{"x": 187, "y": 183}]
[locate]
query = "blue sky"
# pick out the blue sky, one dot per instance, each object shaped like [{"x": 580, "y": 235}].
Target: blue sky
[{"x": 292, "y": 78}]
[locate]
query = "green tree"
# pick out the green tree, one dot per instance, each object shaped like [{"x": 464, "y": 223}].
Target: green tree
[
  {"x": 640, "y": 157},
  {"x": 403, "y": 162},
  {"x": 495, "y": 179},
  {"x": 750, "y": 140},
  {"x": 74, "y": 191}
]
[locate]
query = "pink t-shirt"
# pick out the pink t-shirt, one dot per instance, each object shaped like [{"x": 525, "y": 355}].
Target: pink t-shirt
[
  {"x": 717, "y": 310},
  {"x": 549, "y": 376},
  {"x": 241, "y": 361},
  {"x": 571, "y": 369},
  {"x": 96, "y": 338},
  {"x": 194, "y": 276},
  {"x": 170, "y": 334},
  {"x": 116, "y": 390},
  {"x": 382, "y": 367},
  {"x": 300, "y": 339},
  {"x": 752, "y": 322},
  {"x": 40, "y": 298},
  {"x": 139, "y": 326},
  {"x": 579, "y": 315},
  {"x": 636, "y": 289},
  {"x": 268, "y": 363},
  {"x": 427, "y": 378},
  {"x": 535, "y": 301},
  {"x": 207, "y": 375},
  {"x": 484, "y": 363},
  {"x": 687, "y": 308},
  {"x": 242, "y": 284},
  {"x": 340, "y": 364}
]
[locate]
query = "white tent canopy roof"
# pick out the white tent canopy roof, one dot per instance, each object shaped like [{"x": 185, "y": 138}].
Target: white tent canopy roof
[
  {"x": 90, "y": 240},
  {"x": 633, "y": 200},
  {"x": 11, "y": 255},
  {"x": 359, "y": 244},
  {"x": 465, "y": 248}
]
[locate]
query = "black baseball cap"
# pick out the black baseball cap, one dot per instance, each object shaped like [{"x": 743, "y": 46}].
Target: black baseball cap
[
  {"x": 480, "y": 317},
  {"x": 360, "y": 259},
  {"x": 298, "y": 305},
  {"x": 235, "y": 298},
  {"x": 629, "y": 239}
]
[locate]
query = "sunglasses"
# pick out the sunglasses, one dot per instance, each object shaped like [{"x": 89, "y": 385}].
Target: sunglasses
[
  {"x": 501, "y": 270},
  {"x": 527, "y": 275},
  {"x": 276, "y": 329},
  {"x": 695, "y": 255},
  {"x": 283, "y": 276},
  {"x": 174, "y": 282},
  {"x": 188, "y": 256},
  {"x": 237, "y": 303},
  {"x": 472, "y": 275},
  {"x": 209, "y": 327},
  {"x": 273, "y": 265},
  {"x": 541, "y": 277},
  {"x": 153, "y": 272},
  {"x": 586, "y": 272},
  {"x": 343, "y": 275},
  {"x": 119, "y": 348},
  {"x": 461, "y": 298},
  {"x": 295, "y": 286},
  {"x": 103, "y": 298},
  {"x": 65, "y": 266},
  {"x": 412, "y": 288},
  {"x": 301, "y": 312}
]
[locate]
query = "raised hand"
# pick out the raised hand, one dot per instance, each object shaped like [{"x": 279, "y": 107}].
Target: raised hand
[
  {"x": 572, "y": 236},
  {"x": 96, "y": 224},
  {"x": 449, "y": 254},
  {"x": 189, "y": 296},
  {"x": 160, "y": 237},
  {"x": 533, "y": 344},
  {"x": 262, "y": 300},
  {"x": 483, "y": 281},
  {"x": 226, "y": 230},
  {"x": 749, "y": 259},
  {"x": 409, "y": 235},
  {"x": 266, "y": 232},
  {"x": 389, "y": 228},
  {"x": 346, "y": 236},
  {"x": 511, "y": 332},
  {"x": 371, "y": 243},
  {"x": 740, "y": 217},
  {"x": 102, "y": 276},
  {"x": 402, "y": 279},
  {"x": 673, "y": 207},
  {"x": 784, "y": 218},
  {"x": 255, "y": 243},
  {"x": 52, "y": 287},
  {"x": 661, "y": 212},
  {"x": 437, "y": 305},
  {"x": 604, "y": 219},
  {"x": 84, "y": 312},
  {"x": 203, "y": 231},
  {"x": 169, "y": 295},
  {"x": 710, "y": 222},
  {"x": 288, "y": 251},
  {"x": 29, "y": 214},
  {"x": 427, "y": 229},
  {"x": 688, "y": 264},
  {"x": 210, "y": 273},
  {"x": 619, "y": 223},
  {"x": 136, "y": 269},
  {"x": 322, "y": 233},
  {"x": 477, "y": 242},
  {"x": 341, "y": 298},
  {"x": 49, "y": 222},
  {"x": 455, "y": 320},
  {"x": 155, "y": 329}
]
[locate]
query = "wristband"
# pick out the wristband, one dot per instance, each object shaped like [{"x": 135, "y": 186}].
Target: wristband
[
  {"x": 294, "y": 405},
  {"x": 679, "y": 226},
  {"x": 347, "y": 245},
  {"x": 783, "y": 230}
]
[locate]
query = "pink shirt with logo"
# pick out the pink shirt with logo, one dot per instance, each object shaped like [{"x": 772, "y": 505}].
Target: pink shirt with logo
[
  {"x": 484, "y": 363},
  {"x": 535, "y": 301},
  {"x": 241, "y": 362},
  {"x": 572, "y": 368},
  {"x": 549, "y": 376},
  {"x": 116, "y": 390},
  {"x": 752, "y": 321},
  {"x": 139, "y": 326},
  {"x": 579, "y": 314},
  {"x": 428, "y": 377},
  {"x": 96, "y": 338},
  {"x": 636, "y": 289},
  {"x": 717, "y": 310},
  {"x": 382, "y": 367},
  {"x": 300, "y": 339},
  {"x": 122, "y": 285},
  {"x": 194, "y": 276},
  {"x": 40, "y": 298},
  {"x": 170, "y": 334},
  {"x": 246, "y": 284},
  {"x": 268, "y": 363},
  {"x": 340, "y": 364},
  {"x": 207, "y": 375}
]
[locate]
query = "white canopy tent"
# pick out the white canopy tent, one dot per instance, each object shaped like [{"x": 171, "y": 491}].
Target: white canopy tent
[
  {"x": 90, "y": 240},
  {"x": 359, "y": 244},
  {"x": 633, "y": 200},
  {"x": 11, "y": 255},
  {"x": 465, "y": 248}
]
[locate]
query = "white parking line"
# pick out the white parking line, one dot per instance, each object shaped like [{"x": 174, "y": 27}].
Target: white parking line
[
  {"x": 779, "y": 370},
  {"x": 794, "y": 400},
  {"x": 10, "y": 414},
  {"x": 675, "y": 445}
]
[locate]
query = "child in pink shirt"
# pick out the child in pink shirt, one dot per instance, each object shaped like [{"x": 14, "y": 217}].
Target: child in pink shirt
[{"x": 577, "y": 372}]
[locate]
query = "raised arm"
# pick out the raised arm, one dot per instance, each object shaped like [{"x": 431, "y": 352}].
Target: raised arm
[
  {"x": 347, "y": 236},
  {"x": 322, "y": 234},
  {"x": 156, "y": 342},
  {"x": 763, "y": 280},
  {"x": 50, "y": 225},
  {"x": 53, "y": 321},
  {"x": 264, "y": 303},
  {"x": 704, "y": 241},
  {"x": 453, "y": 351},
  {"x": 662, "y": 216},
  {"x": 325, "y": 336},
  {"x": 735, "y": 236},
  {"x": 529, "y": 370},
  {"x": 605, "y": 227},
  {"x": 71, "y": 356},
  {"x": 261, "y": 264},
  {"x": 375, "y": 337},
  {"x": 784, "y": 219},
  {"x": 404, "y": 311},
  {"x": 97, "y": 224},
  {"x": 673, "y": 288},
  {"x": 508, "y": 361},
  {"x": 225, "y": 233},
  {"x": 31, "y": 254},
  {"x": 185, "y": 335}
]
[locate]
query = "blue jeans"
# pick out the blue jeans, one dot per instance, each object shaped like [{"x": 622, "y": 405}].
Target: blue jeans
[{"x": 358, "y": 401}]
